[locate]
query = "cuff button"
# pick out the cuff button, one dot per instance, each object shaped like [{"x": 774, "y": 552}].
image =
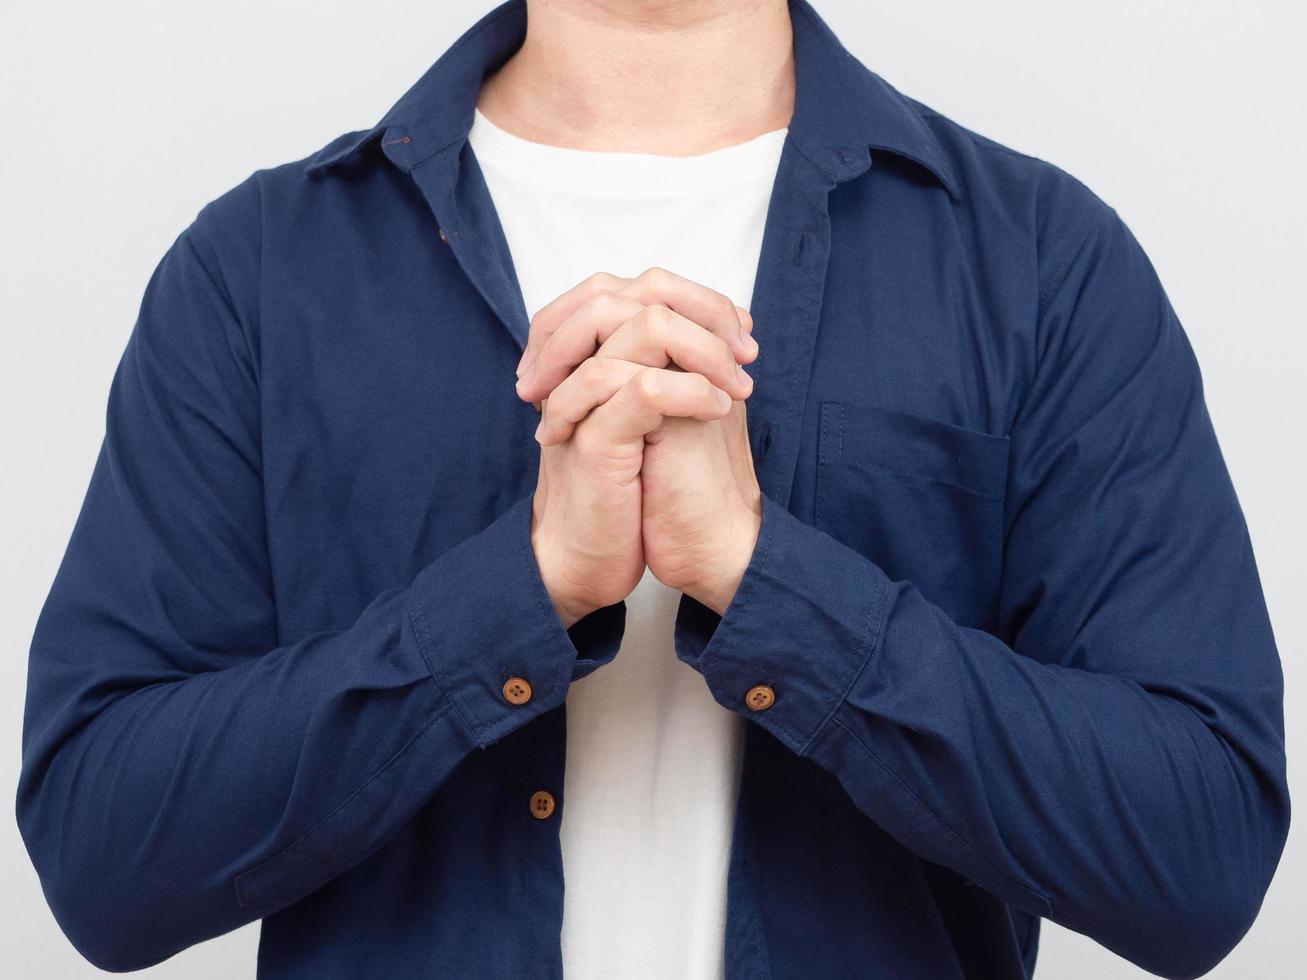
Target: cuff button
[
  {"x": 517, "y": 690},
  {"x": 760, "y": 698},
  {"x": 542, "y": 804}
]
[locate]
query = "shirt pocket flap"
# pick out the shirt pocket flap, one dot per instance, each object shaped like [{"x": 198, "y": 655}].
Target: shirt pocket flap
[{"x": 915, "y": 447}]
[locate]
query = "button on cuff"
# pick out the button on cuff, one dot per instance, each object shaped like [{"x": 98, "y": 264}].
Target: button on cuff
[
  {"x": 517, "y": 690},
  {"x": 488, "y": 631},
  {"x": 804, "y": 620},
  {"x": 760, "y": 698},
  {"x": 542, "y": 804}
]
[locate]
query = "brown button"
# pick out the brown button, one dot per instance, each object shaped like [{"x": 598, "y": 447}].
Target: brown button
[
  {"x": 517, "y": 690},
  {"x": 760, "y": 698},
  {"x": 542, "y": 804}
]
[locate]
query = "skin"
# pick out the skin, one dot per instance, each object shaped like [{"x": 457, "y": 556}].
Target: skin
[{"x": 645, "y": 457}]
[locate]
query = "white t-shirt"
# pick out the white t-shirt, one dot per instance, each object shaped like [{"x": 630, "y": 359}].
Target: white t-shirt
[{"x": 652, "y": 764}]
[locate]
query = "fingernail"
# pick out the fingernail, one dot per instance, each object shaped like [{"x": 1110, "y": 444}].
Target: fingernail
[
  {"x": 744, "y": 378},
  {"x": 723, "y": 399},
  {"x": 747, "y": 340},
  {"x": 539, "y": 425}
]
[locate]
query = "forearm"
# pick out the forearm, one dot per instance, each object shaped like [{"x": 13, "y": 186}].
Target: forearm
[
  {"x": 1128, "y": 813},
  {"x": 240, "y": 790}
]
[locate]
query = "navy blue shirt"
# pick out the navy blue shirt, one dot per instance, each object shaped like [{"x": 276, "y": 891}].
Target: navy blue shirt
[{"x": 1003, "y": 590}]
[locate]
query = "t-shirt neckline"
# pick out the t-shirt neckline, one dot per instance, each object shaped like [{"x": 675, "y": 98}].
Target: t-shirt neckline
[{"x": 630, "y": 172}]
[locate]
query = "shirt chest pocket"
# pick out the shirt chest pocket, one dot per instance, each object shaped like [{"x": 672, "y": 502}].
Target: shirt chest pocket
[{"x": 921, "y": 498}]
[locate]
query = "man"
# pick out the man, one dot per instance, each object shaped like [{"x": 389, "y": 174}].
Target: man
[{"x": 883, "y": 436}]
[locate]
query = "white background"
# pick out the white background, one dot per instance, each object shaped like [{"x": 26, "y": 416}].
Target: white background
[{"x": 120, "y": 120}]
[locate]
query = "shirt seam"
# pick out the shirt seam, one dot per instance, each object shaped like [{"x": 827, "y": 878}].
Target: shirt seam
[
  {"x": 421, "y": 631},
  {"x": 877, "y": 615}
]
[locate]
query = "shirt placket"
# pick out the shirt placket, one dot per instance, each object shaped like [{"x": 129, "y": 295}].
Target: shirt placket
[
  {"x": 786, "y": 308},
  {"x": 533, "y": 764}
]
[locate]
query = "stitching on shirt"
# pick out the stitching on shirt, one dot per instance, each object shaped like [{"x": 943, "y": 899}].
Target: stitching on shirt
[
  {"x": 877, "y": 613},
  {"x": 927, "y": 478},
  {"x": 422, "y": 631},
  {"x": 828, "y": 174},
  {"x": 942, "y": 825},
  {"x": 1062, "y": 270},
  {"x": 436, "y": 151},
  {"x": 829, "y": 412}
]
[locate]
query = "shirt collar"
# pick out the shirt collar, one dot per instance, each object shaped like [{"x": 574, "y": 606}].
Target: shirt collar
[{"x": 842, "y": 112}]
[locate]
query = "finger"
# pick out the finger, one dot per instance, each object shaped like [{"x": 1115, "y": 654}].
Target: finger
[
  {"x": 585, "y": 389},
  {"x": 640, "y": 406},
  {"x": 710, "y": 309},
  {"x": 658, "y": 336},
  {"x": 652, "y": 335},
  {"x": 591, "y": 323},
  {"x": 551, "y": 316}
]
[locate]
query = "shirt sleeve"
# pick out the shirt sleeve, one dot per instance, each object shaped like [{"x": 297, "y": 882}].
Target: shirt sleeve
[
  {"x": 1115, "y": 761},
  {"x": 184, "y": 773}
]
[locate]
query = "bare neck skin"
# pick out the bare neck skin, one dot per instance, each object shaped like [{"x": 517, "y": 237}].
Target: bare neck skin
[{"x": 674, "y": 77}]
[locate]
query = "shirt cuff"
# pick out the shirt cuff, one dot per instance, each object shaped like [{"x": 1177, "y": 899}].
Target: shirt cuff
[
  {"x": 483, "y": 618},
  {"x": 801, "y": 626}
]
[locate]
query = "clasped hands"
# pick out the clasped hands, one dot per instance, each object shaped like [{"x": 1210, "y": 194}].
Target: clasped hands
[{"x": 645, "y": 458}]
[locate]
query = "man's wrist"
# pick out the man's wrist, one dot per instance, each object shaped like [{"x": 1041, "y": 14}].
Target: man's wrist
[
  {"x": 717, "y": 585},
  {"x": 570, "y": 610}
]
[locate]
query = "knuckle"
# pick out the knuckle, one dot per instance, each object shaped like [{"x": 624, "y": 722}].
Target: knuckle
[
  {"x": 605, "y": 282},
  {"x": 655, "y": 276},
  {"x": 655, "y": 321},
  {"x": 649, "y": 386},
  {"x": 605, "y": 302},
  {"x": 594, "y": 370}
]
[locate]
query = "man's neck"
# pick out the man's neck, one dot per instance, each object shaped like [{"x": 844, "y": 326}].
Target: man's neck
[{"x": 674, "y": 77}]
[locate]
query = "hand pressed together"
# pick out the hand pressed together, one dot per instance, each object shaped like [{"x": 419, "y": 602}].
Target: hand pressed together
[{"x": 645, "y": 456}]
